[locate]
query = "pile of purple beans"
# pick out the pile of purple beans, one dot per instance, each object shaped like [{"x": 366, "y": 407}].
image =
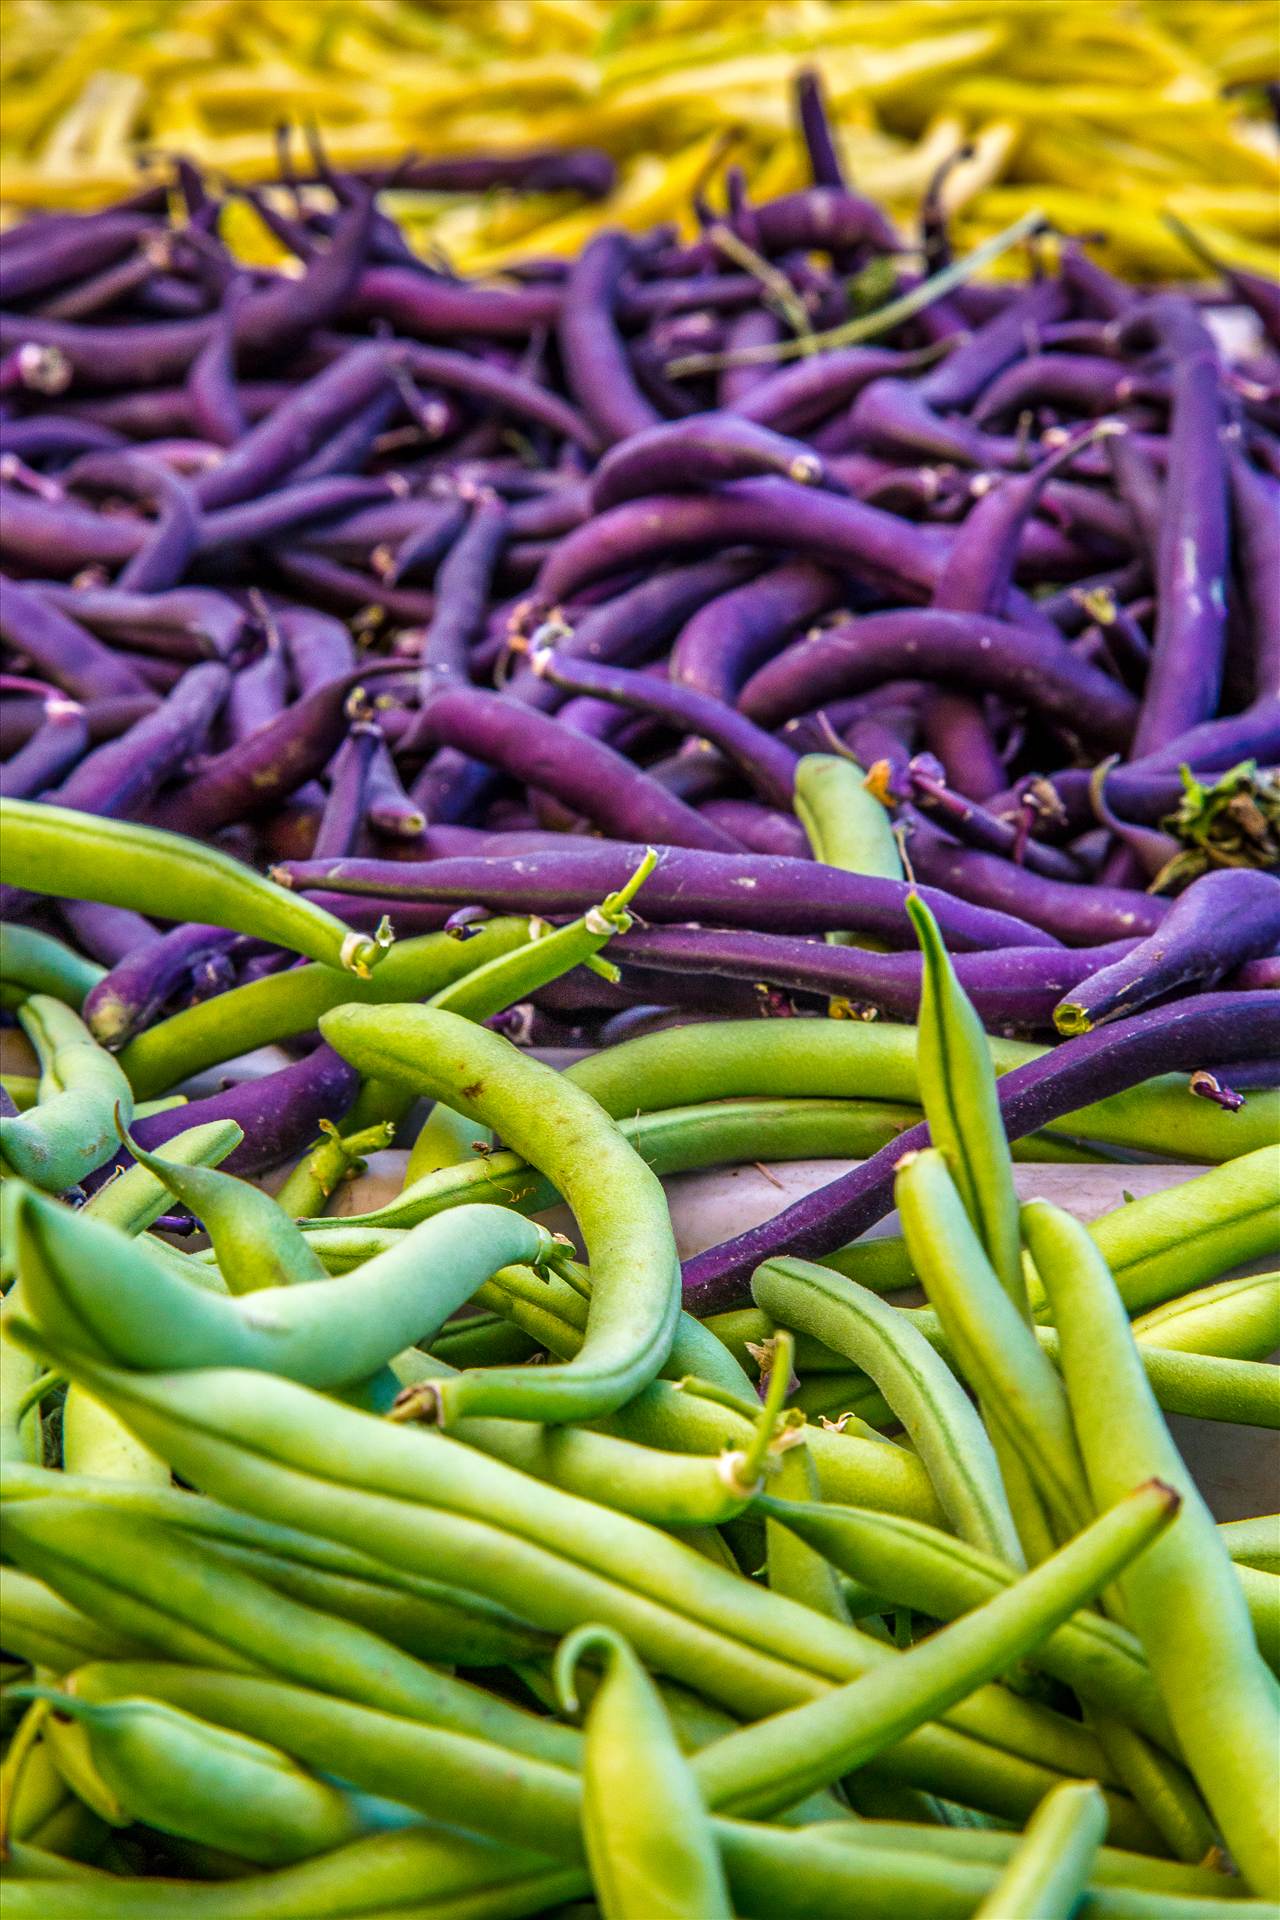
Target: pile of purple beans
[{"x": 441, "y": 597}]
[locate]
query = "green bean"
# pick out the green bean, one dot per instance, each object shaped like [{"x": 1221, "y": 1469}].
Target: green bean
[
  {"x": 71, "y": 1129},
  {"x": 1021, "y": 1396},
  {"x": 1183, "y": 1598},
  {"x": 761, "y": 1767},
  {"x": 1253, "y": 1543},
  {"x": 932, "y": 1572},
  {"x": 283, "y": 1004},
  {"x": 43, "y": 1629},
  {"x": 318, "y": 1175},
  {"x": 1262, "y": 1597},
  {"x": 35, "y": 962},
  {"x": 183, "y": 1776},
  {"x": 255, "y": 1244},
  {"x": 1168, "y": 1242},
  {"x": 1235, "y": 1320},
  {"x": 427, "y": 1503},
  {"x": 85, "y": 856},
  {"x": 445, "y": 1139},
  {"x": 618, "y": 1202},
  {"x": 94, "y": 1441},
  {"x": 722, "y": 1132},
  {"x": 649, "y": 1843},
  {"x": 1050, "y": 1870},
  {"x": 482, "y": 1340},
  {"x": 424, "y": 1617},
  {"x": 549, "y": 953},
  {"x": 752, "y": 1059},
  {"x": 22, "y": 1088},
  {"x": 171, "y": 1594},
  {"x": 667, "y": 1489},
  {"x": 793, "y": 1568},
  {"x": 1113, "y": 1867},
  {"x": 21, "y": 1439},
  {"x": 846, "y": 826},
  {"x": 922, "y": 1392},
  {"x": 134, "y": 1198},
  {"x": 98, "y": 1289}
]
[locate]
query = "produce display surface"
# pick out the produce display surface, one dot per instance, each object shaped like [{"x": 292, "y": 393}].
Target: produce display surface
[{"x": 511, "y": 712}]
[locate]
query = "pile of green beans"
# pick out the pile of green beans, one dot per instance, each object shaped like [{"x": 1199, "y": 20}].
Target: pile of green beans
[{"x": 426, "y": 1563}]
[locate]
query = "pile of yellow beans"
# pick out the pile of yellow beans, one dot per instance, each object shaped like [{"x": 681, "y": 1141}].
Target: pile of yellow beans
[{"x": 1103, "y": 116}]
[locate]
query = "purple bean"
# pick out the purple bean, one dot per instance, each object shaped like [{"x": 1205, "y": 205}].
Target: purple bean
[
  {"x": 795, "y": 397},
  {"x": 50, "y": 753},
  {"x": 423, "y": 305},
  {"x": 591, "y": 348},
  {"x": 1214, "y": 745},
  {"x": 146, "y": 353},
  {"x": 287, "y": 509},
  {"x": 106, "y": 934},
  {"x": 1087, "y": 1068},
  {"x": 585, "y": 775},
  {"x": 743, "y": 890},
  {"x": 156, "y": 413},
  {"x": 755, "y": 327},
  {"x": 701, "y": 452},
  {"x": 161, "y": 559},
  {"x": 54, "y": 438},
  {"x": 128, "y": 277},
  {"x": 976, "y": 826},
  {"x": 500, "y": 387},
  {"x": 279, "y": 444},
  {"x": 216, "y": 408},
  {"x": 1078, "y": 916},
  {"x": 61, "y": 648},
  {"x": 955, "y": 730},
  {"x": 463, "y": 586},
  {"x": 1190, "y": 637},
  {"x": 1015, "y": 987},
  {"x": 1223, "y": 919},
  {"x": 121, "y": 778},
  {"x": 584, "y": 170},
  {"x": 767, "y": 765},
  {"x": 347, "y": 801},
  {"x": 390, "y": 810},
  {"x": 1256, "y": 523},
  {"x": 256, "y": 772},
  {"x": 130, "y": 996},
  {"x": 962, "y": 649},
  {"x": 345, "y": 587},
  {"x": 892, "y": 416},
  {"x": 964, "y": 374},
  {"x": 75, "y": 252},
  {"x": 259, "y": 692},
  {"x": 61, "y": 539},
  {"x": 319, "y": 648},
  {"x": 279, "y": 1112},
  {"x": 419, "y": 550},
  {"x": 978, "y": 572},
  {"x": 186, "y": 623},
  {"x": 767, "y": 513},
  {"x": 729, "y": 635},
  {"x": 349, "y": 446},
  {"x": 759, "y": 829},
  {"x": 1084, "y": 383}
]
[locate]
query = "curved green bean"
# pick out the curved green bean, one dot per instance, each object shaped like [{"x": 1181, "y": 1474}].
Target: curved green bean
[
  {"x": 649, "y": 1843},
  {"x": 96, "y": 1289},
  {"x": 35, "y": 962},
  {"x": 71, "y": 1130},
  {"x": 134, "y": 1198},
  {"x": 619, "y": 1204}
]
